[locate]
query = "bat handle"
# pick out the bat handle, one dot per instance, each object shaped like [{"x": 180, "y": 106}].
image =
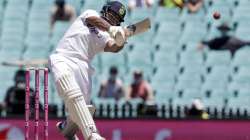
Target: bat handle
[{"x": 127, "y": 32}]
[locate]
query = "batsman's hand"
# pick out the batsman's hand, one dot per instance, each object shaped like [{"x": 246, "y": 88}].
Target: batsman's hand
[{"x": 118, "y": 33}]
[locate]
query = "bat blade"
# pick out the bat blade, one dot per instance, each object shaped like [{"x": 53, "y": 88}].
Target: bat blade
[{"x": 139, "y": 27}]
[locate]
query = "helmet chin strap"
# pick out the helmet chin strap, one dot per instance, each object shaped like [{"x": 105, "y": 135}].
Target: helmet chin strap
[{"x": 104, "y": 17}]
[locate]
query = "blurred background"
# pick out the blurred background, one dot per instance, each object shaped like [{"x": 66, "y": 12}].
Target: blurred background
[{"x": 190, "y": 69}]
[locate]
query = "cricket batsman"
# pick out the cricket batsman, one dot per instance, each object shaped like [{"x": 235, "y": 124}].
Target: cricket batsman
[{"x": 88, "y": 35}]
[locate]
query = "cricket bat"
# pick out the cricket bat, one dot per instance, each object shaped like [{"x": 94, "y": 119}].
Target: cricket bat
[{"x": 138, "y": 28}]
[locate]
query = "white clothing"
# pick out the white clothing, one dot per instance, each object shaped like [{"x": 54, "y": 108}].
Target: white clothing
[
  {"x": 72, "y": 58},
  {"x": 77, "y": 48},
  {"x": 60, "y": 65},
  {"x": 81, "y": 42}
]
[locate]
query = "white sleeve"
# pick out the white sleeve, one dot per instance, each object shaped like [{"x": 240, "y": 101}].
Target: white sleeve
[
  {"x": 89, "y": 13},
  {"x": 103, "y": 37},
  {"x": 103, "y": 40}
]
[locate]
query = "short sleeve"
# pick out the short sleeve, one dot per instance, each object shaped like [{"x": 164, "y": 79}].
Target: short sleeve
[{"x": 89, "y": 13}]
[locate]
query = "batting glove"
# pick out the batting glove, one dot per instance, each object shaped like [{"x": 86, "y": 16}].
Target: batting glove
[{"x": 117, "y": 32}]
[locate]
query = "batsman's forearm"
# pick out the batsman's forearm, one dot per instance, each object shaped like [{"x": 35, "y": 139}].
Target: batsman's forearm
[
  {"x": 118, "y": 48},
  {"x": 112, "y": 47},
  {"x": 98, "y": 22}
]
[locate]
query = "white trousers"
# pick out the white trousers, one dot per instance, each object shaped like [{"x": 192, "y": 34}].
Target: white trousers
[{"x": 59, "y": 65}]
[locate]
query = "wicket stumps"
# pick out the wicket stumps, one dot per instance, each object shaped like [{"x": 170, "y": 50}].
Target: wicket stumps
[{"x": 27, "y": 102}]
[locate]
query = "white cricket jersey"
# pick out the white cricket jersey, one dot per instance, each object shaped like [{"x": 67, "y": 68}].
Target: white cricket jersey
[{"x": 82, "y": 42}]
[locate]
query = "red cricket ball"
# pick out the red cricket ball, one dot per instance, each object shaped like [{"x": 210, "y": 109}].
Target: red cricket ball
[{"x": 216, "y": 15}]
